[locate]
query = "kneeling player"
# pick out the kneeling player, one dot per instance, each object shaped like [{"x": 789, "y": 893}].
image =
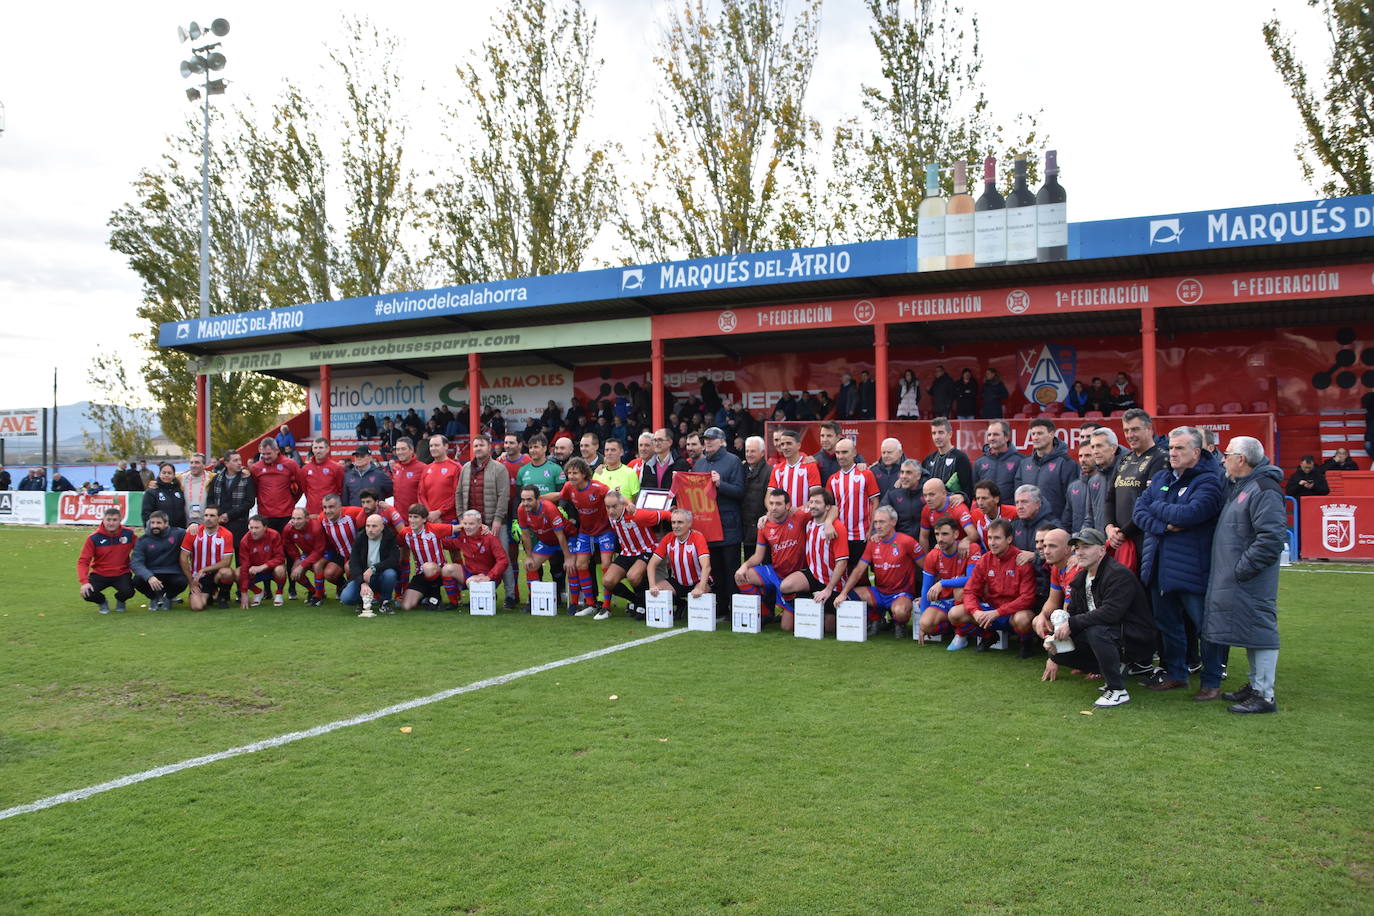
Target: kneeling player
[
  {"x": 261, "y": 562},
  {"x": 634, "y": 536},
  {"x": 893, "y": 557},
  {"x": 206, "y": 555},
  {"x": 544, "y": 531},
  {"x": 999, "y": 594},
  {"x": 594, "y": 533},
  {"x": 825, "y": 565},
  {"x": 478, "y": 555},
  {"x": 946, "y": 571},
  {"x": 422, "y": 541},
  {"x": 687, "y": 559},
  {"x": 781, "y": 534},
  {"x": 302, "y": 541},
  {"x": 340, "y": 525},
  {"x": 104, "y": 562}
]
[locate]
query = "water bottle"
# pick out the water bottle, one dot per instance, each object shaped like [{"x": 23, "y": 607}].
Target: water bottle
[
  {"x": 1285, "y": 559},
  {"x": 1056, "y": 618}
]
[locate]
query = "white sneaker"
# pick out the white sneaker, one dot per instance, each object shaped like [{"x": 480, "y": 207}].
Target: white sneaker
[
  {"x": 257, "y": 599},
  {"x": 603, "y": 614},
  {"x": 587, "y": 611},
  {"x": 1111, "y": 698},
  {"x": 277, "y": 600},
  {"x": 958, "y": 642}
]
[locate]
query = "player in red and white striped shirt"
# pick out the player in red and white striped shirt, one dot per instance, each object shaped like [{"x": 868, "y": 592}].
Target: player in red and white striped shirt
[
  {"x": 340, "y": 525},
  {"x": 796, "y": 473},
  {"x": 687, "y": 559},
  {"x": 421, "y": 541},
  {"x": 856, "y": 496},
  {"x": 206, "y": 554},
  {"x": 827, "y": 562},
  {"x": 634, "y": 535}
]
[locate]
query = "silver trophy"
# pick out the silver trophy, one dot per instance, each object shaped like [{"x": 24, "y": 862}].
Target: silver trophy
[{"x": 1056, "y": 618}]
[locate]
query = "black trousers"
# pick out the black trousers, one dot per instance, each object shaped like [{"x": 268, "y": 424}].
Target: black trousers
[
  {"x": 123, "y": 586},
  {"x": 725, "y": 561},
  {"x": 1096, "y": 649},
  {"x": 173, "y": 584}
]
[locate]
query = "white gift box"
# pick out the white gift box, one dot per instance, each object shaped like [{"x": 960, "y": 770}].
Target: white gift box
[
  {"x": 701, "y": 613},
  {"x": 744, "y": 614},
  {"x": 544, "y": 599},
  {"x": 482, "y": 599},
  {"x": 851, "y": 621},
  {"x": 808, "y": 622},
  {"x": 658, "y": 609}
]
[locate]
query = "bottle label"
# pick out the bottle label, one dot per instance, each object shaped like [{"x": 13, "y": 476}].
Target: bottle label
[
  {"x": 958, "y": 234},
  {"x": 930, "y": 237},
  {"x": 990, "y": 236},
  {"x": 1021, "y": 233},
  {"x": 1053, "y": 225}
]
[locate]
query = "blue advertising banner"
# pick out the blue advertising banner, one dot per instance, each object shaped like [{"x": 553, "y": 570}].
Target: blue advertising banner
[{"x": 863, "y": 259}]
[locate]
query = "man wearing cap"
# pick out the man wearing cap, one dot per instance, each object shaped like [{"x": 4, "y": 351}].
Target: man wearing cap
[
  {"x": 727, "y": 473},
  {"x": 364, "y": 475},
  {"x": 1109, "y": 616}
]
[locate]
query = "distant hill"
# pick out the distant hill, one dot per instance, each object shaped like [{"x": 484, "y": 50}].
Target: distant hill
[{"x": 72, "y": 420}]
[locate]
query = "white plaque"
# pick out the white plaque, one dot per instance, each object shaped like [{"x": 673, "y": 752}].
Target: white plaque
[
  {"x": 1003, "y": 641},
  {"x": 543, "y": 599},
  {"x": 916, "y": 632},
  {"x": 809, "y": 620},
  {"x": 851, "y": 621},
  {"x": 658, "y": 609},
  {"x": 701, "y": 613},
  {"x": 744, "y": 614},
  {"x": 482, "y": 599}
]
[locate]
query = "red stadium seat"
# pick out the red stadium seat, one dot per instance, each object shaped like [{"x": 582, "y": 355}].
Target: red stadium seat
[
  {"x": 1091, "y": 415},
  {"x": 1207, "y": 408},
  {"x": 1177, "y": 409},
  {"x": 1259, "y": 407},
  {"x": 1232, "y": 407}
]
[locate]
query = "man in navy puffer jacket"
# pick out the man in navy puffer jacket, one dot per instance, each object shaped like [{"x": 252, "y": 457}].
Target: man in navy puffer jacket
[{"x": 1178, "y": 513}]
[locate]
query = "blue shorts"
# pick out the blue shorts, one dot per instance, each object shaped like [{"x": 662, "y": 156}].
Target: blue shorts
[
  {"x": 943, "y": 605},
  {"x": 771, "y": 580},
  {"x": 547, "y": 550},
  {"x": 884, "y": 600},
  {"x": 582, "y": 543}
]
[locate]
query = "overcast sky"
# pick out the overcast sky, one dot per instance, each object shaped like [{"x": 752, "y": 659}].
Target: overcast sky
[{"x": 1172, "y": 108}]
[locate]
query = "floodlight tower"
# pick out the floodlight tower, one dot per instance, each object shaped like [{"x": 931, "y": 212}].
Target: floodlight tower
[{"x": 206, "y": 60}]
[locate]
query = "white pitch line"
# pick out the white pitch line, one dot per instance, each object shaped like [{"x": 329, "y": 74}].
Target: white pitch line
[
  {"x": 1350, "y": 572},
  {"x": 279, "y": 740}
]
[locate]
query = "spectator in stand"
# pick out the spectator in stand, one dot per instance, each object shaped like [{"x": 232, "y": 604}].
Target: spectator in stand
[
  {"x": 1032, "y": 515},
  {"x": 367, "y": 427},
  {"x": 890, "y": 458},
  {"x": 1077, "y": 400},
  {"x": 235, "y": 489},
  {"x": 118, "y": 478},
  {"x": 439, "y": 483},
  {"x": 756, "y": 475},
  {"x": 166, "y": 496},
  {"x": 373, "y": 566},
  {"x": 91, "y": 487},
  {"x": 1048, "y": 466},
  {"x": 1242, "y": 591},
  {"x": 947, "y": 463},
  {"x": 942, "y": 393},
  {"x": 285, "y": 438},
  {"x": 104, "y": 562},
  {"x": 1340, "y": 461},
  {"x": 5, "y": 480},
  {"x": 1306, "y": 479},
  {"x": 387, "y": 438},
  {"x": 1108, "y": 619},
  {"x": 320, "y": 475},
  {"x": 999, "y": 461},
  {"x": 1123, "y": 393},
  {"x": 195, "y": 483},
  {"x": 1078, "y": 494},
  {"x": 995, "y": 395},
  {"x": 496, "y": 423},
  {"x": 145, "y": 473},
  {"x": 1099, "y": 396},
  {"x": 846, "y": 399},
  {"x": 868, "y": 396},
  {"x": 1134, "y": 470},
  {"x": 966, "y": 396},
  {"x": 364, "y": 475},
  {"x": 156, "y": 562},
  {"x": 906, "y": 497},
  {"x": 34, "y": 481},
  {"x": 908, "y": 396},
  {"x": 1178, "y": 513},
  {"x": 824, "y": 406},
  {"x": 61, "y": 484}
]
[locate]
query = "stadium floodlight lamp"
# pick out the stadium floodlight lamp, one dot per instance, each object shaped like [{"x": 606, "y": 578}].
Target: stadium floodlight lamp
[
  {"x": 195, "y": 31},
  {"x": 215, "y": 61},
  {"x": 195, "y": 65},
  {"x": 220, "y": 27}
]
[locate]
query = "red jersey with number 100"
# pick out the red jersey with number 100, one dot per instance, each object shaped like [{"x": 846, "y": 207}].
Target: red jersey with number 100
[
  {"x": 590, "y": 503},
  {"x": 821, "y": 555},
  {"x": 786, "y": 540},
  {"x": 684, "y": 557},
  {"x": 207, "y": 548},
  {"x": 634, "y": 531},
  {"x": 893, "y": 563}
]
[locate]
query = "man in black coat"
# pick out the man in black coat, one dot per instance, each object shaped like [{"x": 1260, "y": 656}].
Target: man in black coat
[
  {"x": 941, "y": 391},
  {"x": 1108, "y": 615},
  {"x": 373, "y": 563}
]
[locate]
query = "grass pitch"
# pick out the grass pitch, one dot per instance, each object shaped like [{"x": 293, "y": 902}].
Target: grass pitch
[{"x": 760, "y": 774}]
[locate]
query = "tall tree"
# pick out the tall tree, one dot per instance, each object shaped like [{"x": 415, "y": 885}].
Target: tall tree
[
  {"x": 732, "y": 158},
  {"x": 117, "y": 411},
  {"x": 533, "y": 194},
  {"x": 930, "y": 107},
  {"x": 1336, "y": 153}
]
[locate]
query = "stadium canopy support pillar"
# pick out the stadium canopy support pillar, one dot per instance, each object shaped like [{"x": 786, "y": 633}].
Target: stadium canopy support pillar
[
  {"x": 202, "y": 417},
  {"x": 881, "y": 406},
  {"x": 326, "y": 385},
  {"x": 656, "y": 380},
  {"x": 474, "y": 396},
  {"x": 1149, "y": 383}
]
